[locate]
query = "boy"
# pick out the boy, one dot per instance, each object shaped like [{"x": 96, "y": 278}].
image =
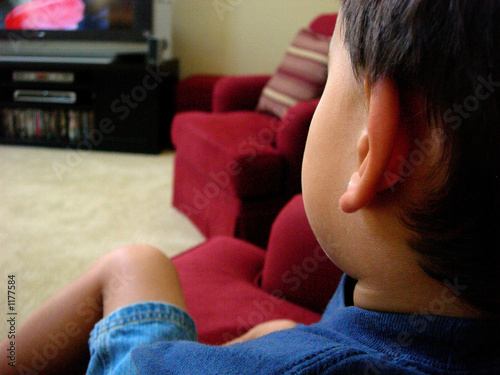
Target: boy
[{"x": 400, "y": 183}]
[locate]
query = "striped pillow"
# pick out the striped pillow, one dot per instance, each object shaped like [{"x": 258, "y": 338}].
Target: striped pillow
[{"x": 300, "y": 76}]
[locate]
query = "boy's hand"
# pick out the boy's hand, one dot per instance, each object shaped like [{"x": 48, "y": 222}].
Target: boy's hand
[{"x": 263, "y": 329}]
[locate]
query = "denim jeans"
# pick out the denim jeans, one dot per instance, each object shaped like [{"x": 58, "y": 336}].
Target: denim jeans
[{"x": 115, "y": 336}]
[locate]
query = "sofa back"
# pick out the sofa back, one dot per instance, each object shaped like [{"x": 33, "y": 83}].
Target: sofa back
[
  {"x": 295, "y": 266},
  {"x": 324, "y": 24}
]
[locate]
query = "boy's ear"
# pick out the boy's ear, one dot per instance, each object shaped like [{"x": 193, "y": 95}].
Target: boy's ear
[{"x": 380, "y": 147}]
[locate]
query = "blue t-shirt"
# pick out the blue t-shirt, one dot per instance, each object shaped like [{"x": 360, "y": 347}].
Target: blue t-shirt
[{"x": 348, "y": 340}]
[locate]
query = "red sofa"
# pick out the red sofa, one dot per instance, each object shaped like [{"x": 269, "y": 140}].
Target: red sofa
[
  {"x": 195, "y": 93},
  {"x": 236, "y": 167},
  {"x": 231, "y": 285}
]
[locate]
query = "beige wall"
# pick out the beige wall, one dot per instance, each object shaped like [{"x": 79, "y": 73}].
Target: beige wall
[{"x": 238, "y": 36}]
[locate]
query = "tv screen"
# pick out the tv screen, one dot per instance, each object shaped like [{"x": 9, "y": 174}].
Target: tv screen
[{"x": 75, "y": 19}]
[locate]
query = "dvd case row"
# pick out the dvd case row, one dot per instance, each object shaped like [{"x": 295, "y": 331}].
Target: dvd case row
[{"x": 47, "y": 124}]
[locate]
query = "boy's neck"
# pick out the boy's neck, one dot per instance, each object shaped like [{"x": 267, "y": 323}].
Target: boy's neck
[
  {"x": 424, "y": 296},
  {"x": 388, "y": 272}
]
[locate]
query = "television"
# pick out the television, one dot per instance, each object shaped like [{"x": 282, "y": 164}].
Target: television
[{"x": 73, "y": 29}]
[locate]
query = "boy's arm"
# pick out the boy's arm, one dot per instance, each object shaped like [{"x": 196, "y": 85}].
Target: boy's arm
[{"x": 263, "y": 329}]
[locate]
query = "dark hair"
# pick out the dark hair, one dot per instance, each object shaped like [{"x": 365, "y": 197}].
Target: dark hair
[{"x": 448, "y": 50}]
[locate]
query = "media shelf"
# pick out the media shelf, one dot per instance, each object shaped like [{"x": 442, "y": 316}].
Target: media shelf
[{"x": 126, "y": 105}]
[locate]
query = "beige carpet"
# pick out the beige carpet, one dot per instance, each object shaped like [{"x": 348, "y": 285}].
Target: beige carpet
[{"x": 61, "y": 209}]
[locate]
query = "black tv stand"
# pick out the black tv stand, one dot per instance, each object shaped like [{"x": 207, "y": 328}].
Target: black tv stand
[
  {"x": 124, "y": 105},
  {"x": 130, "y": 58}
]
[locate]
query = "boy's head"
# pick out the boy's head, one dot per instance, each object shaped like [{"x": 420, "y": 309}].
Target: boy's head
[{"x": 401, "y": 169}]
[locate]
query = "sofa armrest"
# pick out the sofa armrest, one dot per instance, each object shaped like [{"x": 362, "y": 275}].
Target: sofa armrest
[
  {"x": 291, "y": 139},
  {"x": 238, "y": 93}
]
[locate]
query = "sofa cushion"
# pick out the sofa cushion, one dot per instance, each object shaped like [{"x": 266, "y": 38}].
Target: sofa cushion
[
  {"x": 219, "y": 283},
  {"x": 235, "y": 151},
  {"x": 300, "y": 76}
]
